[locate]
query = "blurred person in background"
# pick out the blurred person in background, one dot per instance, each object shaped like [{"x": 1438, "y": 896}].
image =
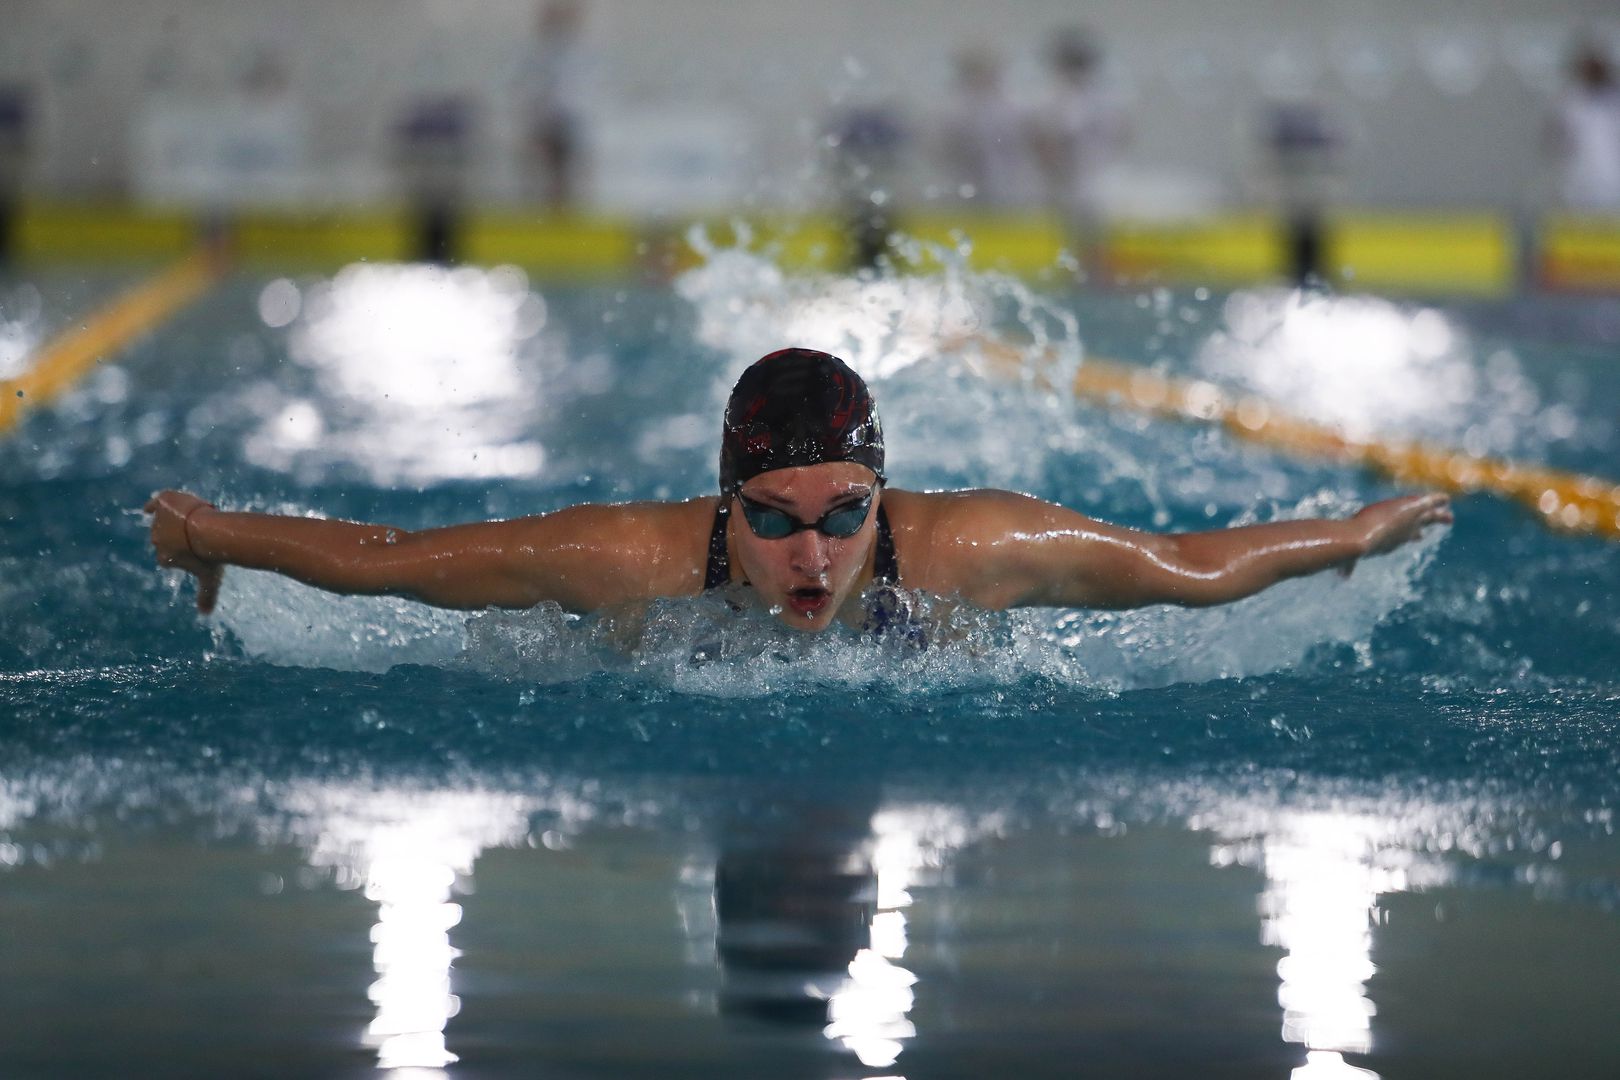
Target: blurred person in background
[
  {"x": 219, "y": 150},
  {"x": 1584, "y": 134},
  {"x": 433, "y": 141},
  {"x": 1301, "y": 147},
  {"x": 986, "y": 145},
  {"x": 268, "y": 150},
  {"x": 15, "y": 100},
  {"x": 1077, "y": 133},
  {"x": 551, "y": 86},
  {"x": 865, "y": 140}
]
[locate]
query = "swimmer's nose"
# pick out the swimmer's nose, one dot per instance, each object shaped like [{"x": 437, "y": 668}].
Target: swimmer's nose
[{"x": 809, "y": 553}]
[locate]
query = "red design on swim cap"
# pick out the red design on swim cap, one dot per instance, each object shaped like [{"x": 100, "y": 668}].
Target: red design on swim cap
[{"x": 838, "y": 420}]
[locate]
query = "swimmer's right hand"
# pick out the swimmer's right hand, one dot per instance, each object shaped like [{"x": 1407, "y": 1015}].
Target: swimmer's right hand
[{"x": 171, "y": 511}]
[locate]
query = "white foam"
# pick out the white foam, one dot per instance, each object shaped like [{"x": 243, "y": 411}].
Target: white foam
[
  {"x": 722, "y": 646},
  {"x": 882, "y": 325},
  {"x": 282, "y": 622},
  {"x": 1272, "y": 631}
]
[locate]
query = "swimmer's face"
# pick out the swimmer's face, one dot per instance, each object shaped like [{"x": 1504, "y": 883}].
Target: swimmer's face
[{"x": 807, "y": 578}]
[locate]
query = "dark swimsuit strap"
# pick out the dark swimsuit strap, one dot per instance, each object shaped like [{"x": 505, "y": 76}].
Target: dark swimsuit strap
[
  {"x": 885, "y": 566},
  {"x": 719, "y": 571}
]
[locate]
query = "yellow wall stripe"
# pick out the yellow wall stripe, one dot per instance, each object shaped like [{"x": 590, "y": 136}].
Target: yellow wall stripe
[
  {"x": 1431, "y": 252},
  {"x": 1581, "y": 253},
  {"x": 1224, "y": 250},
  {"x": 561, "y": 246},
  {"x": 1424, "y": 253},
  {"x": 103, "y": 233},
  {"x": 321, "y": 240},
  {"x": 62, "y": 361},
  {"x": 798, "y": 243},
  {"x": 1568, "y": 502},
  {"x": 1011, "y": 243}
]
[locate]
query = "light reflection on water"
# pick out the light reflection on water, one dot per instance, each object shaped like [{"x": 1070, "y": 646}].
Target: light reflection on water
[
  {"x": 411, "y": 849},
  {"x": 1374, "y": 368},
  {"x": 820, "y": 903},
  {"x": 869, "y": 1016},
  {"x": 1319, "y": 905},
  {"x": 20, "y": 329},
  {"x": 420, "y": 374}
]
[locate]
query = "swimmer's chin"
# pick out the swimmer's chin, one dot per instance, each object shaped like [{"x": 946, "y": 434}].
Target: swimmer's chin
[{"x": 807, "y": 610}]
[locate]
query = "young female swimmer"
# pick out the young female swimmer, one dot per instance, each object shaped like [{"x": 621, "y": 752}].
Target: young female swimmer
[{"x": 804, "y": 517}]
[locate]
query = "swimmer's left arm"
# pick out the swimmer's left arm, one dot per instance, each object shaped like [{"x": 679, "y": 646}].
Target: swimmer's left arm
[{"x": 1038, "y": 554}]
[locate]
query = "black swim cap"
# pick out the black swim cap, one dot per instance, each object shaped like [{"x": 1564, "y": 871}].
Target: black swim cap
[{"x": 797, "y": 407}]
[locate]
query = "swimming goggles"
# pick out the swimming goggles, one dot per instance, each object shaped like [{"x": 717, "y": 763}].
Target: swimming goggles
[{"x": 769, "y": 523}]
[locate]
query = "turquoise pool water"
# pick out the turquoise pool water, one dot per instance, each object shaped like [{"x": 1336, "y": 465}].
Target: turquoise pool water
[{"x": 1352, "y": 824}]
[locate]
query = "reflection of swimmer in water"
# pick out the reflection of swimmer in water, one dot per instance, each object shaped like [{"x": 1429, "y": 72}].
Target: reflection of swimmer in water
[
  {"x": 801, "y": 466},
  {"x": 794, "y": 896}
]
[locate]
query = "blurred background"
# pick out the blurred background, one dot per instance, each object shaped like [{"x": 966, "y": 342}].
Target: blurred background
[{"x": 1432, "y": 145}]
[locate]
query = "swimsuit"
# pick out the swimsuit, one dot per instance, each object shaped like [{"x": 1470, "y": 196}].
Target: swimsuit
[{"x": 888, "y": 612}]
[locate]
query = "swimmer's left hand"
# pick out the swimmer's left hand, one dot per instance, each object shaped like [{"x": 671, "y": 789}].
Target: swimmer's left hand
[
  {"x": 1387, "y": 525},
  {"x": 1394, "y": 522}
]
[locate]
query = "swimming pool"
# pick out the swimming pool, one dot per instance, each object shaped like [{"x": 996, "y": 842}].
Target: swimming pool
[{"x": 1353, "y": 823}]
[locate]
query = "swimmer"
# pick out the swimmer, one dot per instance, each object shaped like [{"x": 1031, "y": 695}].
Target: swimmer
[{"x": 804, "y": 517}]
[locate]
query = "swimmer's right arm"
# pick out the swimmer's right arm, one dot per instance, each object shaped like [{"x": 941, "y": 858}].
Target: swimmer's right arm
[{"x": 583, "y": 557}]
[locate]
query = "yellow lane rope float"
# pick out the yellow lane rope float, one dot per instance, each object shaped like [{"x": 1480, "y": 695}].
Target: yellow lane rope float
[
  {"x": 63, "y": 360},
  {"x": 1567, "y": 502}
]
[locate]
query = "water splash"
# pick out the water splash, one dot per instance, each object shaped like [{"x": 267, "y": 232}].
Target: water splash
[
  {"x": 279, "y": 621},
  {"x": 724, "y": 645},
  {"x": 881, "y": 324}
]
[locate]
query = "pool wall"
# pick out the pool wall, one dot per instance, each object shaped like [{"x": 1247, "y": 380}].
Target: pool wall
[{"x": 1480, "y": 253}]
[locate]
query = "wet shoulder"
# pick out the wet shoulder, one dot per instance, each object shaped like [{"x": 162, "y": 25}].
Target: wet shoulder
[
  {"x": 922, "y": 514},
  {"x": 938, "y": 535},
  {"x": 678, "y": 535},
  {"x": 954, "y": 543},
  {"x": 662, "y": 546}
]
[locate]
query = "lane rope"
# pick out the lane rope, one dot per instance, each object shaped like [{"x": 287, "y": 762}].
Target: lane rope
[
  {"x": 62, "y": 361},
  {"x": 1564, "y": 501}
]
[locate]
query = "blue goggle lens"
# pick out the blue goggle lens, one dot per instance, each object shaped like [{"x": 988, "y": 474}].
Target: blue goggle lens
[{"x": 769, "y": 523}]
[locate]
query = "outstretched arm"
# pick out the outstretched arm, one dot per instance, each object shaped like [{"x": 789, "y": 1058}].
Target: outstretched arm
[
  {"x": 584, "y": 557},
  {"x": 1032, "y": 553}
]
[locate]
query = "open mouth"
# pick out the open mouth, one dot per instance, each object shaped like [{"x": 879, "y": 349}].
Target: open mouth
[{"x": 809, "y": 599}]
